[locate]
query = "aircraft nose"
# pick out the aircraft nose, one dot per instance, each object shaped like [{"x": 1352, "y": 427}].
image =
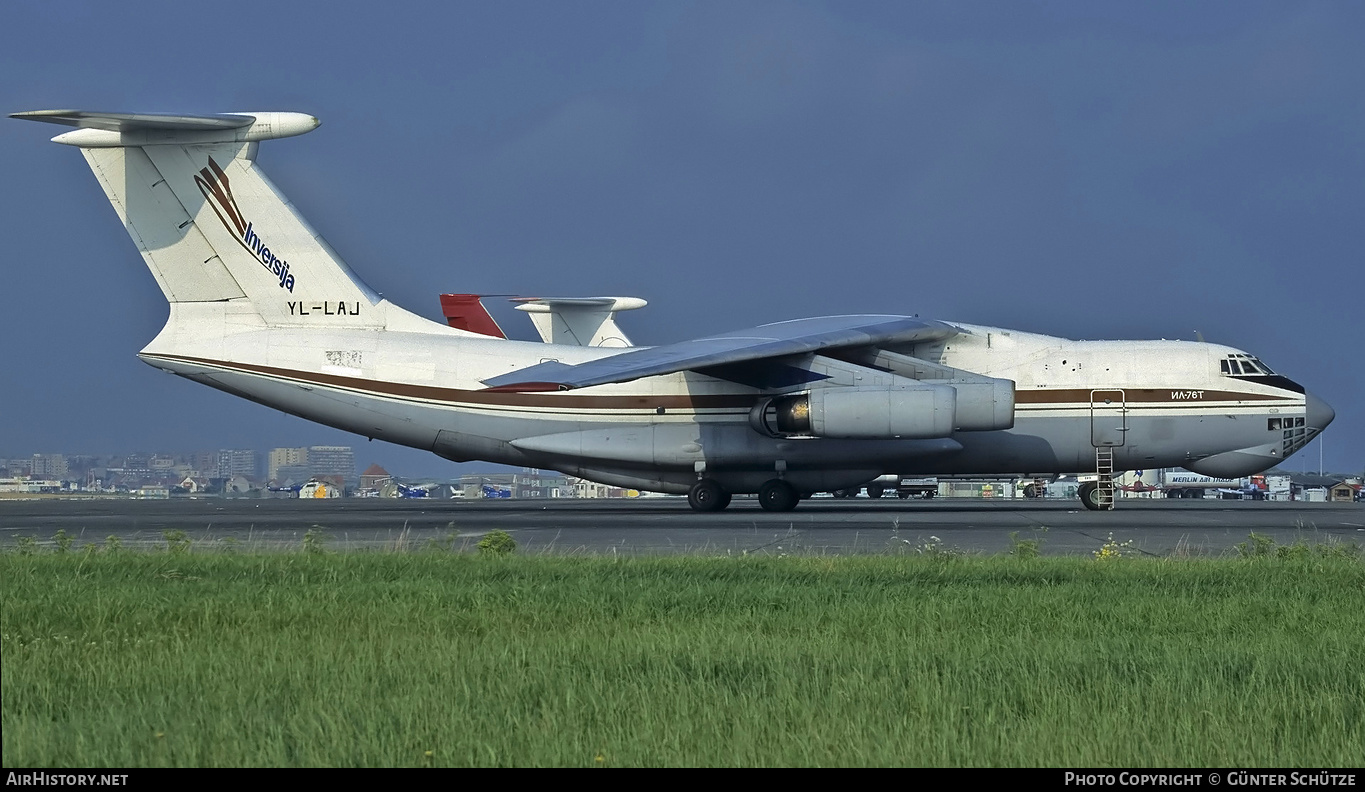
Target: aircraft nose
[{"x": 1318, "y": 412}]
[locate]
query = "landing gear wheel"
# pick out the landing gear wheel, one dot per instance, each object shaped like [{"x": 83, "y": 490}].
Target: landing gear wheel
[
  {"x": 777, "y": 495},
  {"x": 707, "y": 496},
  {"x": 1030, "y": 491},
  {"x": 1089, "y": 493},
  {"x": 875, "y": 492}
]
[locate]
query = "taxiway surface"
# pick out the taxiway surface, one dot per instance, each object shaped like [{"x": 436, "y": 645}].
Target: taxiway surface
[{"x": 668, "y": 526}]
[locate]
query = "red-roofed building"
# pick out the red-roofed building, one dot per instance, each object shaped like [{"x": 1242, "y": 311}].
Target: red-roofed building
[{"x": 374, "y": 477}]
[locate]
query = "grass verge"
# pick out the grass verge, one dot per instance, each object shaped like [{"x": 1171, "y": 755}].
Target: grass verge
[{"x": 435, "y": 658}]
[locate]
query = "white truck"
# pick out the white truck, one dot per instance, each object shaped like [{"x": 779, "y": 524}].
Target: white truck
[{"x": 903, "y": 486}]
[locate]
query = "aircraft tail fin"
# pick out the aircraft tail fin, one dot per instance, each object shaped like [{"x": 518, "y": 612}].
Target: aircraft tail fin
[
  {"x": 209, "y": 224},
  {"x": 467, "y": 312}
]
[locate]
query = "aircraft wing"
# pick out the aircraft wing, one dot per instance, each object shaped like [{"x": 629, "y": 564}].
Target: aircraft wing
[{"x": 781, "y": 339}]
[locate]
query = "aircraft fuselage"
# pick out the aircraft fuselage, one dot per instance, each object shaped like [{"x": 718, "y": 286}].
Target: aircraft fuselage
[{"x": 1154, "y": 403}]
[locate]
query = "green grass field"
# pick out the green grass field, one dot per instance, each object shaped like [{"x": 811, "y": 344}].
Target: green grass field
[{"x": 436, "y": 658}]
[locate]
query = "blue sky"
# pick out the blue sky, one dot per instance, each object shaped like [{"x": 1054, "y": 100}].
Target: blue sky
[{"x": 1090, "y": 170}]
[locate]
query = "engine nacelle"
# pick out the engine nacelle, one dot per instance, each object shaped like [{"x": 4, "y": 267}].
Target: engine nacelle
[
  {"x": 985, "y": 406},
  {"x": 917, "y": 411}
]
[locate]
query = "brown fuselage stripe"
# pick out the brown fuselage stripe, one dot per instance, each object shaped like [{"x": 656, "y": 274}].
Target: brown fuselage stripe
[
  {"x": 1083, "y": 395},
  {"x": 1074, "y": 397},
  {"x": 501, "y": 399}
]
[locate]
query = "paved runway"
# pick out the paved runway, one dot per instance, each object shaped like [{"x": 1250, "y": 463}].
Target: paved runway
[{"x": 668, "y": 526}]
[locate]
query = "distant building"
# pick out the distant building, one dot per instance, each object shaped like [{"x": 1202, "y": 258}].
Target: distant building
[
  {"x": 29, "y": 485},
  {"x": 532, "y": 483},
  {"x": 205, "y": 463},
  {"x": 332, "y": 461},
  {"x": 78, "y": 464},
  {"x": 193, "y": 485},
  {"x": 233, "y": 463},
  {"x": 52, "y": 466},
  {"x": 1313, "y": 488},
  {"x": 582, "y": 488},
  {"x": 286, "y": 457},
  {"x": 1341, "y": 493},
  {"x": 296, "y": 474},
  {"x": 374, "y": 477}
]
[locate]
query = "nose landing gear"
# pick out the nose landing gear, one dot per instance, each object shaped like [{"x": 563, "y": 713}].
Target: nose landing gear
[{"x": 1093, "y": 497}]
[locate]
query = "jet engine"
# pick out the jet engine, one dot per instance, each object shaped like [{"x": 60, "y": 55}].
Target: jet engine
[
  {"x": 984, "y": 405},
  {"x": 917, "y": 410}
]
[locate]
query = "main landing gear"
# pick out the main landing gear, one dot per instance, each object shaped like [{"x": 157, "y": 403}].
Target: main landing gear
[
  {"x": 707, "y": 495},
  {"x": 777, "y": 495}
]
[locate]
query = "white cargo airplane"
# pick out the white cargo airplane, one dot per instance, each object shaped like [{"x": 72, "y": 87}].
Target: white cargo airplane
[{"x": 263, "y": 308}]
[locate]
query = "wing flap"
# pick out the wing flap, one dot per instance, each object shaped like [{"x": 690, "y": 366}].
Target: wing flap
[{"x": 776, "y": 340}]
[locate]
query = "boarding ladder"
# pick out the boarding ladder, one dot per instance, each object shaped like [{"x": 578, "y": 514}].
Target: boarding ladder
[{"x": 1104, "y": 466}]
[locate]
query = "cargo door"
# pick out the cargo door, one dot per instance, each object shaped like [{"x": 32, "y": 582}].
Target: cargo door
[{"x": 1108, "y": 418}]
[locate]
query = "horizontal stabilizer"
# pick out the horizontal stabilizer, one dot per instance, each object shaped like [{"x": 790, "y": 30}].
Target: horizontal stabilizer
[
  {"x": 133, "y": 122},
  {"x": 780, "y": 339},
  {"x": 581, "y": 321},
  {"x": 127, "y": 130}
]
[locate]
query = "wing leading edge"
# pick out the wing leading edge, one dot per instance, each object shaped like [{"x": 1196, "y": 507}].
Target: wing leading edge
[{"x": 765, "y": 342}]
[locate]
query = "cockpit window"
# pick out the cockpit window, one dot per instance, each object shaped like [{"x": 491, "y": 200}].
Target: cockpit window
[{"x": 1237, "y": 365}]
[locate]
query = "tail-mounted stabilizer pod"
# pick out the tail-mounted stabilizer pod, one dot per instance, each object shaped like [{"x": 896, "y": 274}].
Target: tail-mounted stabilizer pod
[
  {"x": 579, "y": 321},
  {"x": 105, "y": 130}
]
